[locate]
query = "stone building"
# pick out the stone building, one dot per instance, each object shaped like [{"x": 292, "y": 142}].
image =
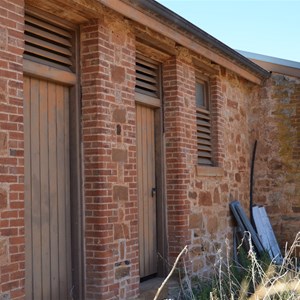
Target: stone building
[
  {"x": 275, "y": 124},
  {"x": 125, "y": 131}
]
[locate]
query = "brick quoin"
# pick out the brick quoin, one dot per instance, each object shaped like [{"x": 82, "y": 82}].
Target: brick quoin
[
  {"x": 180, "y": 137},
  {"x": 109, "y": 153},
  {"x": 12, "y": 241},
  {"x": 218, "y": 122}
]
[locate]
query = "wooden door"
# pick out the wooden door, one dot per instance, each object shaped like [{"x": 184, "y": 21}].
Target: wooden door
[
  {"x": 146, "y": 190},
  {"x": 47, "y": 190}
]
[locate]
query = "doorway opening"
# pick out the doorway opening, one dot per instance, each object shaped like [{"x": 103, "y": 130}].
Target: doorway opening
[
  {"x": 150, "y": 169},
  {"x": 53, "y": 238}
]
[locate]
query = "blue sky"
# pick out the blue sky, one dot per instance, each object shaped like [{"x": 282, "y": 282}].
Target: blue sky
[{"x": 268, "y": 27}]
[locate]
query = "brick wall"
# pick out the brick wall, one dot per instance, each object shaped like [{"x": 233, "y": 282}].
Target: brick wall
[
  {"x": 11, "y": 151},
  {"x": 275, "y": 119},
  {"x": 109, "y": 146},
  {"x": 180, "y": 136}
]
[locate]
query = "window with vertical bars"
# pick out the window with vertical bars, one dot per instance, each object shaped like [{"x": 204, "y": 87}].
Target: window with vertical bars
[
  {"x": 204, "y": 146},
  {"x": 48, "y": 43},
  {"x": 147, "y": 77}
]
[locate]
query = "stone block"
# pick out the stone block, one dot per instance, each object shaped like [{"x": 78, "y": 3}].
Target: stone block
[
  {"x": 195, "y": 221},
  {"x": 3, "y": 143},
  {"x": 232, "y": 104},
  {"x": 197, "y": 265},
  {"x": 192, "y": 195},
  {"x": 120, "y": 193},
  {"x": 118, "y": 36},
  {"x": 199, "y": 184},
  {"x": 205, "y": 199},
  {"x": 212, "y": 225},
  {"x": 224, "y": 188},
  {"x": 119, "y": 115},
  {"x": 275, "y": 164},
  {"x": 117, "y": 74},
  {"x": 121, "y": 231},
  {"x": 3, "y": 251},
  {"x": 3, "y": 198},
  {"x": 238, "y": 177},
  {"x": 122, "y": 249},
  {"x": 3, "y": 38},
  {"x": 217, "y": 198},
  {"x": 196, "y": 251},
  {"x": 122, "y": 272},
  {"x": 119, "y": 155}
]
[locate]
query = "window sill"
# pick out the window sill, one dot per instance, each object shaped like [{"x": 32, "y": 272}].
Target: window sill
[{"x": 207, "y": 171}]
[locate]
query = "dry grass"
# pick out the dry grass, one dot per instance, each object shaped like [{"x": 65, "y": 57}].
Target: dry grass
[{"x": 254, "y": 279}]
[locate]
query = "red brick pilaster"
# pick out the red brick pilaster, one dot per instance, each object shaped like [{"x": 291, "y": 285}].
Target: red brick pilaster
[
  {"x": 12, "y": 256},
  {"x": 218, "y": 121},
  {"x": 109, "y": 155},
  {"x": 180, "y": 138}
]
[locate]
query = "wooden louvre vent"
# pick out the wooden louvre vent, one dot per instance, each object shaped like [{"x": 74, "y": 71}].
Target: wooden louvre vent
[
  {"x": 147, "y": 77},
  {"x": 204, "y": 137},
  {"x": 48, "y": 43},
  {"x": 204, "y": 145}
]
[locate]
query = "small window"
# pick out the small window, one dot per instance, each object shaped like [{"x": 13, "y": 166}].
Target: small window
[
  {"x": 200, "y": 94},
  {"x": 204, "y": 146}
]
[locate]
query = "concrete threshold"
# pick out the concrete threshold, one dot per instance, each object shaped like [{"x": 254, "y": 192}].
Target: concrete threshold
[{"x": 149, "y": 288}]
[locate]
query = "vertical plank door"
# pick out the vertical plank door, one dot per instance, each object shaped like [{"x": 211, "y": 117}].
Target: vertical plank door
[
  {"x": 146, "y": 196},
  {"x": 47, "y": 190}
]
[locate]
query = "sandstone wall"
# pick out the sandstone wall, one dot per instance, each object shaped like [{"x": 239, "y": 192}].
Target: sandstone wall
[
  {"x": 275, "y": 123},
  {"x": 211, "y": 189}
]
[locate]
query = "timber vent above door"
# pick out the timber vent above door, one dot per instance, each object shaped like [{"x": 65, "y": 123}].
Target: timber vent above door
[
  {"x": 148, "y": 81},
  {"x": 48, "y": 43},
  {"x": 147, "y": 77}
]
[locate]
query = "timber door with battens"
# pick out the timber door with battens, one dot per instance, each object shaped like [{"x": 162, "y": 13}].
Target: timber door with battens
[
  {"x": 146, "y": 190},
  {"x": 148, "y": 104},
  {"x": 49, "y": 80}
]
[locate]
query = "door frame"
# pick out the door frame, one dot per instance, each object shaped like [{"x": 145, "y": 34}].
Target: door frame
[
  {"x": 72, "y": 80},
  {"x": 161, "y": 236},
  {"x": 161, "y": 211}
]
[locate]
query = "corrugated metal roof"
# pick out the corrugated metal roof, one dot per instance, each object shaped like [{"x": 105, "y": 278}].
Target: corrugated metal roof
[{"x": 274, "y": 64}]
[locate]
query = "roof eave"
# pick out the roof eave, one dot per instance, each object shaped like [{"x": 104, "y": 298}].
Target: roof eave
[
  {"x": 185, "y": 26},
  {"x": 274, "y": 64}
]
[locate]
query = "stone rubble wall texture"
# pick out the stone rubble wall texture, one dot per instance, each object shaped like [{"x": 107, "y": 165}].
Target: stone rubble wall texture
[
  {"x": 275, "y": 123},
  {"x": 11, "y": 150},
  {"x": 197, "y": 201},
  {"x": 210, "y": 221}
]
